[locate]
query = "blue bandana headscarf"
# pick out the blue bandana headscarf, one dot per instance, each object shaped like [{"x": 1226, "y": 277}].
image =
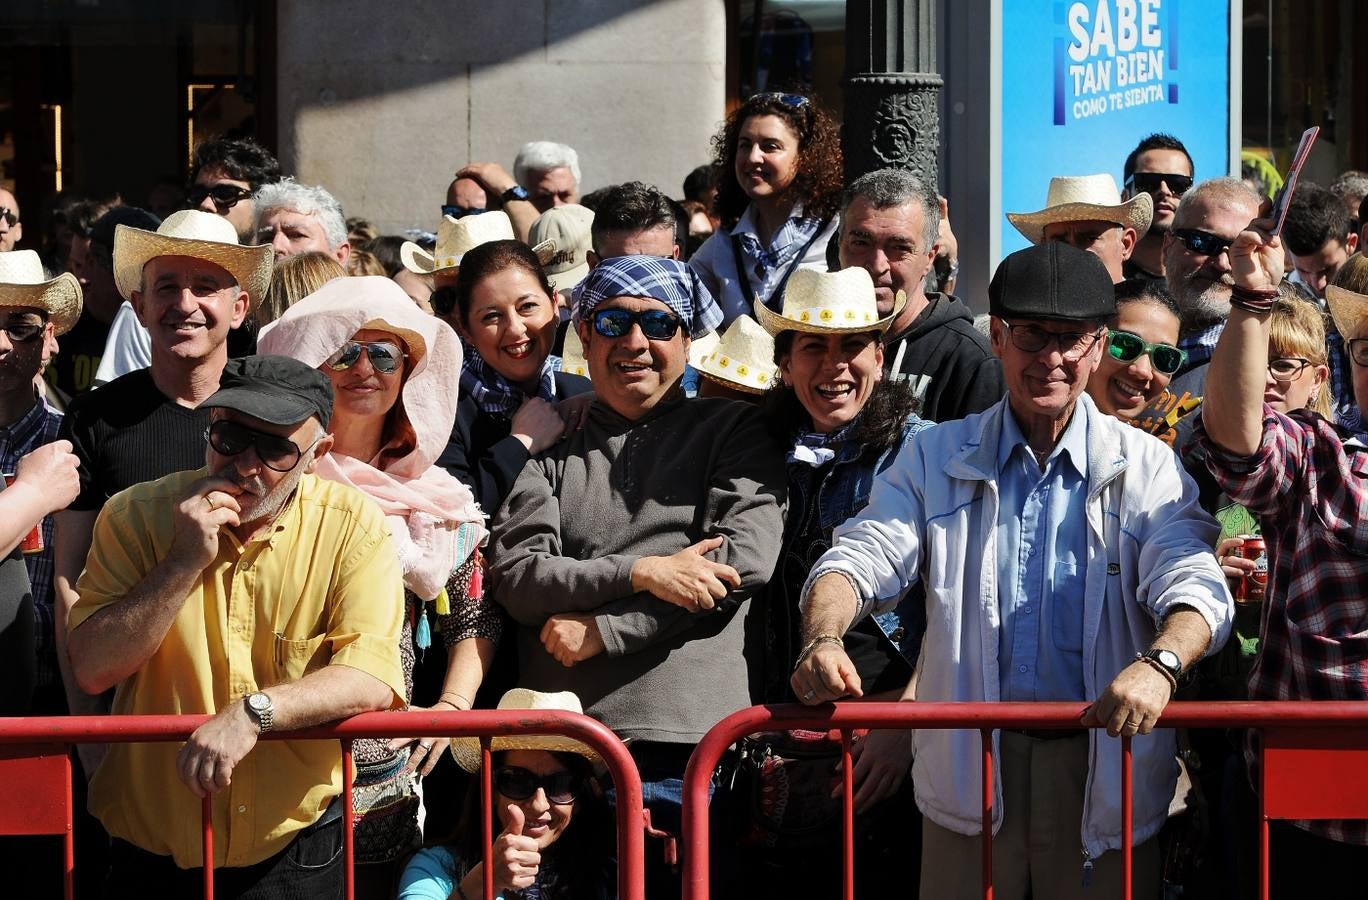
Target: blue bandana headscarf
[{"x": 667, "y": 280}]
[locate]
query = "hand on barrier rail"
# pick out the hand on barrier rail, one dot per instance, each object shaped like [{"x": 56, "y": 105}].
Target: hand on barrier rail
[
  {"x": 826, "y": 674},
  {"x": 882, "y": 761},
  {"x": 210, "y": 504},
  {"x": 571, "y": 639},
  {"x": 687, "y": 579},
  {"x": 423, "y": 752},
  {"x": 206, "y": 761},
  {"x": 1132, "y": 703}
]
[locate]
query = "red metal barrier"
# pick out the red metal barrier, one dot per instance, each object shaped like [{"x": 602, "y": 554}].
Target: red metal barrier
[
  {"x": 1314, "y": 761},
  {"x": 34, "y": 749}
]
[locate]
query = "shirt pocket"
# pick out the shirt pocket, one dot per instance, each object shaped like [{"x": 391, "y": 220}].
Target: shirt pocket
[
  {"x": 296, "y": 658},
  {"x": 1066, "y": 608}
]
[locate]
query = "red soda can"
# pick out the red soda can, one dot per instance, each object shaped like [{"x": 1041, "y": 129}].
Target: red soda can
[
  {"x": 1251, "y": 589},
  {"x": 33, "y": 541}
]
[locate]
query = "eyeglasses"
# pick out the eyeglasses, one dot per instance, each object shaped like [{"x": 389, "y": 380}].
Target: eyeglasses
[
  {"x": 1202, "y": 242},
  {"x": 384, "y": 356},
  {"x": 1150, "y": 182},
  {"x": 517, "y": 783},
  {"x": 797, "y": 101},
  {"x": 1073, "y": 345},
  {"x": 10, "y": 216},
  {"x": 1287, "y": 368},
  {"x": 228, "y": 438},
  {"x": 1126, "y": 347},
  {"x": 225, "y": 196},
  {"x": 21, "y": 331},
  {"x": 1358, "y": 351},
  {"x": 460, "y": 212},
  {"x": 656, "y": 324}
]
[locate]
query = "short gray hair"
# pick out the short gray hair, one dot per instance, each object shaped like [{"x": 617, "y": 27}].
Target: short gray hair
[
  {"x": 887, "y": 188},
  {"x": 1221, "y": 192},
  {"x": 307, "y": 200},
  {"x": 543, "y": 156}
]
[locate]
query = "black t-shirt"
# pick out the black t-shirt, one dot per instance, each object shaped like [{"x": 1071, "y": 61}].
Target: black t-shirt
[
  {"x": 127, "y": 432},
  {"x": 72, "y": 370}
]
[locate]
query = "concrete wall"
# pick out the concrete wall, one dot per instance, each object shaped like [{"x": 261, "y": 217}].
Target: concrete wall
[{"x": 381, "y": 103}]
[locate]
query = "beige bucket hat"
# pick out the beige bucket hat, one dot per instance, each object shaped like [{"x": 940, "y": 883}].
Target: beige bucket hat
[
  {"x": 466, "y": 750},
  {"x": 23, "y": 283},
  {"x": 1085, "y": 198},
  {"x": 743, "y": 359},
  {"x": 841, "y": 302},
  {"x": 572, "y": 354},
  {"x": 456, "y": 238},
  {"x": 562, "y": 238},
  {"x": 191, "y": 232},
  {"x": 1347, "y": 308}
]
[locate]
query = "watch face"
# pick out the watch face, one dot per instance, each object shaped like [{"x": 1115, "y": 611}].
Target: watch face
[
  {"x": 259, "y": 701},
  {"x": 1169, "y": 660}
]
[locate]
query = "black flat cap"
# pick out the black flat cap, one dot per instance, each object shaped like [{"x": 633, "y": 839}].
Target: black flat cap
[
  {"x": 275, "y": 389},
  {"x": 1052, "y": 280}
]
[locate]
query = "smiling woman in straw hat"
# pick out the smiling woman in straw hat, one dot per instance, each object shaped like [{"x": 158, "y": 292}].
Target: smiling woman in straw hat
[
  {"x": 550, "y": 818},
  {"x": 845, "y": 423}
]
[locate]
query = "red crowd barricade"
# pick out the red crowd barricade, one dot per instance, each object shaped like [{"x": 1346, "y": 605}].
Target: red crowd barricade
[
  {"x": 35, "y": 772},
  {"x": 1313, "y": 762}
]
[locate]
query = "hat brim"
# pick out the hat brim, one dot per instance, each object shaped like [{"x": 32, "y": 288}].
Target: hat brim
[
  {"x": 421, "y": 262},
  {"x": 466, "y": 750},
  {"x": 775, "y": 323},
  {"x": 266, "y": 406},
  {"x": 1348, "y": 310},
  {"x": 60, "y": 298},
  {"x": 714, "y": 373},
  {"x": 1134, "y": 213},
  {"x": 135, "y": 247}
]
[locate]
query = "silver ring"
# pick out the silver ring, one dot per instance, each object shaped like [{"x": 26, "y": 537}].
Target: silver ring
[
  {"x": 426, "y": 745},
  {"x": 809, "y": 695}
]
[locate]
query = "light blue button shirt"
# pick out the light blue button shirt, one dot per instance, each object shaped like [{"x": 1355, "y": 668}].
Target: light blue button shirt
[{"x": 1042, "y": 541}]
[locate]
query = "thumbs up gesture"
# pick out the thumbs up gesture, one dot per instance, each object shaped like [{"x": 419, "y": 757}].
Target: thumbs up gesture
[{"x": 516, "y": 858}]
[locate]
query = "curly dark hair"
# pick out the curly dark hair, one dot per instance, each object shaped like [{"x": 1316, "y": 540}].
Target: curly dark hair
[{"x": 818, "y": 182}]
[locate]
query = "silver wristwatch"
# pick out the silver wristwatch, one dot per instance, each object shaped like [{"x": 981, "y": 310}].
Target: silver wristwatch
[{"x": 260, "y": 708}]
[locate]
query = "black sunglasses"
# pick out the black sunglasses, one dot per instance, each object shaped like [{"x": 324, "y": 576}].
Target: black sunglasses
[
  {"x": 1126, "y": 347},
  {"x": 21, "y": 331},
  {"x": 460, "y": 212},
  {"x": 225, "y": 196},
  {"x": 1150, "y": 182},
  {"x": 656, "y": 324},
  {"x": 10, "y": 216},
  {"x": 1202, "y": 242},
  {"x": 229, "y": 438},
  {"x": 519, "y": 784},
  {"x": 384, "y": 356}
]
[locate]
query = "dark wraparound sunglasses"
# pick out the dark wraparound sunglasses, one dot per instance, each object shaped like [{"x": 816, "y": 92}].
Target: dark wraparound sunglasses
[
  {"x": 1150, "y": 182},
  {"x": 21, "y": 331},
  {"x": 1126, "y": 347},
  {"x": 10, "y": 216},
  {"x": 230, "y": 438},
  {"x": 656, "y": 324},
  {"x": 225, "y": 196},
  {"x": 519, "y": 784},
  {"x": 1202, "y": 242},
  {"x": 384, "y": 356}
]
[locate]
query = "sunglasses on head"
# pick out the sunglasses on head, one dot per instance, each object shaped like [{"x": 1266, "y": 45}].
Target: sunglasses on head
[
  {"x": 384, "y": 356},
  {"x": 1126, "y": 347},
  {"x": 1202, "y": 242},
  {"x": 10, "y": 216},
  {"x": 229, "y": 438},
  {"x": 519, "y": 784},
  {"x": 460, "y": 212},
  {"x": 797, "y": 101},
  {"x": 1150, "y": 182},
  {"x": 225, "y": 196},
  {"x": 21, "y": 331},
  {"x": 656, "y": 324}
]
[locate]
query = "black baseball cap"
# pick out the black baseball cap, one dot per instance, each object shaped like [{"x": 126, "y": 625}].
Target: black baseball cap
[
  {"x": 275, "y": 389},
  {"x": 1052, "y": 280}
]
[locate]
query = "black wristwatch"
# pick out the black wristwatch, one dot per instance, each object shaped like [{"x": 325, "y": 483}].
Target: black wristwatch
[
  {"x": 516, "y": 192},
  {"x": 1166, "y": 660}
]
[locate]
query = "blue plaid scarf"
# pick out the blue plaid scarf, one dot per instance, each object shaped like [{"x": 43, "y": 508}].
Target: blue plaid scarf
[
  {"x": 496, "y": 395},
  {"x": 815, "y": 449}
]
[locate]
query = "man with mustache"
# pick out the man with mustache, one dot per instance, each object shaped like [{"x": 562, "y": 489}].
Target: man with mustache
[{"x": 254, "y": 591}]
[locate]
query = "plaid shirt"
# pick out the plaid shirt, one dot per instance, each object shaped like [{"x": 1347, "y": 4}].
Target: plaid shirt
[
  {"x": 1342, "y": 380},
  {"x": 1308, "y": 482},
  {"x": 770, "y": 263},
  {"x": 35, "y": 428},
  {"x": 1199, "y": 348}
]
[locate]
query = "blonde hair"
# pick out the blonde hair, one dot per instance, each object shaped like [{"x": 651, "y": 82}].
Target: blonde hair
[
  {"x": 295, "y": 278},
  {"x": 363, "y": 262},
  {"x": 1297, "y": 328}
]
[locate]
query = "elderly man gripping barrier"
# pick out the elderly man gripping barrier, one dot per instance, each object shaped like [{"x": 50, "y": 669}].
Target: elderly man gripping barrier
[
  {"x": 252, "y": 590},
  {"x": 628, "y": 552},
  {"x": 1064, "y": 557}
]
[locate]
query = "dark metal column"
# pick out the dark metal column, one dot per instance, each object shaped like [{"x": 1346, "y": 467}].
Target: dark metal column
[{"x": 892, "y": 88}]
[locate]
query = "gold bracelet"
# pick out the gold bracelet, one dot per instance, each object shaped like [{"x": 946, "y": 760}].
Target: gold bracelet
[
  {"x": 812, "y": 645},
  {"x": 458, "y": 696}
]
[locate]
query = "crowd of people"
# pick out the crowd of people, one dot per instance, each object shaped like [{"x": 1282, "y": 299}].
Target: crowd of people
[{"x": 657, "y": 460}]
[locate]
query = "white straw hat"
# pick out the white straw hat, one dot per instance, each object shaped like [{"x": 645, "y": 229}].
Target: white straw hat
[
  {"x": 743, "y": 359},
  {"x": 191, "y": 232},
  {"x": 456, "y": 238},
  {"x": 841, "y": 302},
  {"x": 572, "y": 354},
  {"x": 566, "y": 232},
  {"x": 23, "y": 283},
  {"x": 466, "y": 750},
  {"x": 1085, "y": 198},
  {"x": 1347, "y": 308}
]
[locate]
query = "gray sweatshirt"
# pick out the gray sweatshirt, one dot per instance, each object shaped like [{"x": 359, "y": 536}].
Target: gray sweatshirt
[{"x": 580, "y": 515}]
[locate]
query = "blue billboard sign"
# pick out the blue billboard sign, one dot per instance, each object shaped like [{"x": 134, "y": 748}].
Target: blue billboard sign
[{"x": 1082, "y": 82}]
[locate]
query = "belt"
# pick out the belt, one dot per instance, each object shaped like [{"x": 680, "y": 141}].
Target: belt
[{"x": 1049, "y": 734}]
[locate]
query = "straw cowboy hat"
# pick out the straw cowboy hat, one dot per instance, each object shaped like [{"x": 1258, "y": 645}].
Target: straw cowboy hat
[
  {"x": 23, "y": 283},
  {"x": 1347, "y": 308},
  {"x": 466, "y": 750},
  {"x": 456, "y": 238},
  {"x": 743, "y": 359},
  {"x": 561, "y": 237},
  {"x": 572, "y": 354},
  {"x": 191, "y": 232},
  {"x": 841, "y": 302},
  {"x": 1085, "y": 198}
]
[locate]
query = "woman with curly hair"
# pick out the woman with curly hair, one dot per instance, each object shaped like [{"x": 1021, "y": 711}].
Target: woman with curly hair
[{"x": 777, "y": 163}]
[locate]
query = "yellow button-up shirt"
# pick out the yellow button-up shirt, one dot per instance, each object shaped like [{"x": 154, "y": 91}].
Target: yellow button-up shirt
[{"x": 322, "y": 586}]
